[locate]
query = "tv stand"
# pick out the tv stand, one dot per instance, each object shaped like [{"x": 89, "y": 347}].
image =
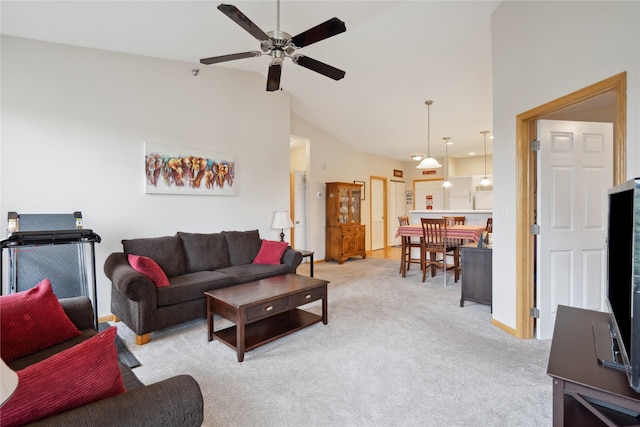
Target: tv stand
[
  {"x": 606, "y": 346},
  {"x": 585, "y": 393}
]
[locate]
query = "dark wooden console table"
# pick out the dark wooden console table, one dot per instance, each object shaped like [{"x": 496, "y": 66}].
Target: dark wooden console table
[
  {"x": 584, "y": 392},
  {"x": 477, "y": 273}
]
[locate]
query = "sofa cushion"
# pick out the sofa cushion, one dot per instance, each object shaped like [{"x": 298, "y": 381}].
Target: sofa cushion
[
  {"x": 243, "y": 246},
  {"x": 32, "y": 320},
  {"x": 192, "y": 286},
  {"x": 204, "y": 251},
  {"x": 270, "y": 252},
  {"x": 250, "y": 272},
  {"x": 77, "y": 376},
  {"x": 166, "y": 251},
  {"x": 149, "y": 268}
]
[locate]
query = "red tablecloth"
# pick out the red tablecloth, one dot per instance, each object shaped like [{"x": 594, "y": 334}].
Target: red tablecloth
[{"x": 471, "y": 232}]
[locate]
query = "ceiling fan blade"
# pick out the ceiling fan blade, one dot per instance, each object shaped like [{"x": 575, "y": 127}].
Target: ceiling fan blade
[
  {"x": 240, "y": 18},
  {"x": 233, "y": 56},
  {"x": 320, "y": 32},
  {"x": 273, "y": 79},
  {"x": 319, "y": 67}
]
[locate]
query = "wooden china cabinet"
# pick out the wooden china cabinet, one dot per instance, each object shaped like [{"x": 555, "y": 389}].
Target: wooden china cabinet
[{"x": 345, "y": 235}]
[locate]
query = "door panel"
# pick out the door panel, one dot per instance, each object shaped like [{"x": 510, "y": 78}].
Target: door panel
[
  {"x": 299, "y": 210},
  {"x": 397, "y": 207},
  {"x": 377, "y": 213},
  {"x": 574, "y": 172}
]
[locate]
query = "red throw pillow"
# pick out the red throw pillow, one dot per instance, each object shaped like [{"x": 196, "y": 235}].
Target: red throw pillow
[
  {"x": 74, "y": 377},
  {"x": 270, "y": 252},
  {"x": 149, "y": 268},
  {"x": 32, "y": 320}
]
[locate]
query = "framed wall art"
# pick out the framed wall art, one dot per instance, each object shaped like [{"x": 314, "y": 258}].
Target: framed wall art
[{"x": 180, "y": 170}]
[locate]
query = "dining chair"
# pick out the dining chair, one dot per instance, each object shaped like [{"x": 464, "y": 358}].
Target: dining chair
[
  {"x": 453, "y": 221},
  {"x": 489, "y": 227},
  {"x": 435, "y": 244},
  {"x": 409, "y": 243}
]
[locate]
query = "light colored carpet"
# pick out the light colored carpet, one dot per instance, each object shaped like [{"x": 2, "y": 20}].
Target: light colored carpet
[{"x": 396, "y": 352}]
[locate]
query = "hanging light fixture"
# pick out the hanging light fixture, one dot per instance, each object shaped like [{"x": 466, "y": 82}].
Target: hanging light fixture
[
  {"x": 485, "y": 181},
  {"x": 429, "y": 162},
  {"x": 446, "y": 183}
]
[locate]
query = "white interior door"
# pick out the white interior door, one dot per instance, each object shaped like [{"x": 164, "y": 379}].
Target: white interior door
[
  {"x": 377, "y": 214},
  {"x": 299, "y": 210},
  {"x": 575, "y": 170},
  {"x": 397, "y": 207}
]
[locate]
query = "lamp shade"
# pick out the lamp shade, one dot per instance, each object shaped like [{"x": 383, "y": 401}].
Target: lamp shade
[
  {"x": 429, "y": 163},
  {"x": 8, "y": 382},
  {"x": 281, "y": 220}
]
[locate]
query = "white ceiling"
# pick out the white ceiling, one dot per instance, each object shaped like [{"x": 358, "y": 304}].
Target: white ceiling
[{"x": 396, "y": 54}]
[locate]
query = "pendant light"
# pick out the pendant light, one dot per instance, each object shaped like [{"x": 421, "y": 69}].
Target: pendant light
[
  {"x": 429, "y": 162},
  {"x": 446, "y": 183},
  {"x": 485, "y": 181}
]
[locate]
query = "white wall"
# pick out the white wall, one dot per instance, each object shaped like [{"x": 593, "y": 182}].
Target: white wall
[
  {"x": 73, "y": 125},
  {"x": 332, "y": 160},
  {"x": 541, "y": 52}
]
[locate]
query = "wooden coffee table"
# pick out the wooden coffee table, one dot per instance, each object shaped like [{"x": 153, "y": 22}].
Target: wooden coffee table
[{"x": 264, "y": 310}]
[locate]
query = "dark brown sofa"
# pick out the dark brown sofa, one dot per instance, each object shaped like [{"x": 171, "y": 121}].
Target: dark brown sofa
[
  {"x": 176, "y": 401},
  {"x": 194, "y": 263}
]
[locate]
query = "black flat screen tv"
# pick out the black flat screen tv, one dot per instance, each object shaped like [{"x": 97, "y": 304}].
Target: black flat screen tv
[{"x": 623, "y": 276}]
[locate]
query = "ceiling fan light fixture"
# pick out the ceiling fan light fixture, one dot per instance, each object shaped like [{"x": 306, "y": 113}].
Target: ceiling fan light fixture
[
  {"x": 280, "y": 45},
  {"x": 429, "y": 162}
]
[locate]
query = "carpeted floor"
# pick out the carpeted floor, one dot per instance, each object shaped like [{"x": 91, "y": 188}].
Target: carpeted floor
[{"x": 396, "y": 352}]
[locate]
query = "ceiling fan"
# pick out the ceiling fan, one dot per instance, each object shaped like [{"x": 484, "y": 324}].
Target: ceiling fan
[{"x": 280, "y": 45}]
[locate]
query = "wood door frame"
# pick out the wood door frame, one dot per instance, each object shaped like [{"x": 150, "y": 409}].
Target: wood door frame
[
  {"x": 384, "y": 211},
  {"x": 526, "y": 163}
]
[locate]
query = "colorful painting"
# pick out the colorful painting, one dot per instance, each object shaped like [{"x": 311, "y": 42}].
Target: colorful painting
[{"x": 180, "y": 170}]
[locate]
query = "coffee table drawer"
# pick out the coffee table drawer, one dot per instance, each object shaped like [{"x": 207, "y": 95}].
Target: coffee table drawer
[
  {"x": 267, "y": 309},
  {"x": 306, "y": 297}
]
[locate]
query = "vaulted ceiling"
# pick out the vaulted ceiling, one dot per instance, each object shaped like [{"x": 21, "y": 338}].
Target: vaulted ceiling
[{"x": 396, "y": 54}]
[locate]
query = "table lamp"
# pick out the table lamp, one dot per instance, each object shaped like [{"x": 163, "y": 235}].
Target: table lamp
[
  {"x": 8, "y": 382},
  {"x": 281, "y": 220}
]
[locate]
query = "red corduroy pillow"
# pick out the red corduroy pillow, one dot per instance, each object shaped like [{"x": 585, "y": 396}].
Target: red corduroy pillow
[
  {"x": 270, "y": 252},
  {"x": 82, "y": 374},
  {"x": 32, "y": 320},
  {"x": 149, "y": 268}
]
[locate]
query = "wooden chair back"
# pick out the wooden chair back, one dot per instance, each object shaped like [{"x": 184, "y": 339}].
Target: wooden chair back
[
  {"x": 455, "y": 220},
  {"x": 433, "y": 233}
]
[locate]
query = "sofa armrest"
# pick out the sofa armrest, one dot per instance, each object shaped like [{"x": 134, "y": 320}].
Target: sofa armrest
[
  {"x": 291, "y": 258},
  {"x": 80, "y": 311},
  {"x": 134, "y": 285},
  {"x": 176, "y": 401}
]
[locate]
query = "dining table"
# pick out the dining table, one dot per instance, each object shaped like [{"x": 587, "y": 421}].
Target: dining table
[{"x": 465, "y": 232}]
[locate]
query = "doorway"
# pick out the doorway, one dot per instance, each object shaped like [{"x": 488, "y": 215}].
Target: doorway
[
  {"x": 526, "y": 164},
  {"x": 378, "y": 212}
]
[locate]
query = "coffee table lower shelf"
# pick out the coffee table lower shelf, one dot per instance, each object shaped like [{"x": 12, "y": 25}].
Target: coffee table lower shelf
[{"x": 269, "y": 329}]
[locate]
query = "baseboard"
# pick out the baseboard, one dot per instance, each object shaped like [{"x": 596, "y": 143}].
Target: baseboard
[
  {"x": 504, "y": 327},
  {"x": 104, "y": 319}
]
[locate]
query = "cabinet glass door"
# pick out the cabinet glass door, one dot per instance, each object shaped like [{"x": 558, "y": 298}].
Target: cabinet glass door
[
  {"x": 344, "y": 205},
  {"x": 355, "y": 206}
]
